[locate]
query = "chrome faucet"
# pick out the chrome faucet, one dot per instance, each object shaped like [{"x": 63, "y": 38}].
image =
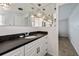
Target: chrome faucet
[{"x": 27, "y": 34}]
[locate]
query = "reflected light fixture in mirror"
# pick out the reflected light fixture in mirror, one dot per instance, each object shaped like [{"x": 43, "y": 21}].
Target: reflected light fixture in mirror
[
  {"x": 32, "y": 16},
  {"x": 39, "y": 15},
  {"x": 5, "y": 6}
]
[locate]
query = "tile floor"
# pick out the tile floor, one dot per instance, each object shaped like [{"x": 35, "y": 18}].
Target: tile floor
[{"x": 66, "y": 48}]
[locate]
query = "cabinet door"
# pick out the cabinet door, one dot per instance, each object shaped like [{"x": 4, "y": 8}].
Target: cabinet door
[
  {"x": 37, "y": 47},
  {"x": 16, "y": 52},
  {"x": 30, "y": 49},
  {"x": 43, "y": 46}
]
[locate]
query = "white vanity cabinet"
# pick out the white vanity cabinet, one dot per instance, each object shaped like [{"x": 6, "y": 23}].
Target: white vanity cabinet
[
  {"x": 43, "y": 45},
  {"x": 37, "y": 47},
  {"x": 16, "y": 52}
]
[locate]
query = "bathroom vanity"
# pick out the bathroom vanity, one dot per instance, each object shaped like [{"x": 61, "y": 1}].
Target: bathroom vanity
[{"x": 34, "y": 44}]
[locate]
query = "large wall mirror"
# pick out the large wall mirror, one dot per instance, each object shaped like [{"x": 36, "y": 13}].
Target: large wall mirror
[{"x": 27, "y": 14}]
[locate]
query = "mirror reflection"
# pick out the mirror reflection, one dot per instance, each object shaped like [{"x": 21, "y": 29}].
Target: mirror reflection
[{"x": 28, "y": 14}]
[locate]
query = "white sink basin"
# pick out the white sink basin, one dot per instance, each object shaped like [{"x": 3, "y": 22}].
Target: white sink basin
[{"x": 30, "y": 37}]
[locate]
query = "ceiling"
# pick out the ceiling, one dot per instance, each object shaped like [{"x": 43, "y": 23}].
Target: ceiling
[{"x": 46, "y": 8}]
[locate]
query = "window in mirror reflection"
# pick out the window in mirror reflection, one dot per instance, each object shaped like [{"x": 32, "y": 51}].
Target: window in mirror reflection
[
  {"x": 41, "y": 22},
  {"x": 37, "y": 22}
]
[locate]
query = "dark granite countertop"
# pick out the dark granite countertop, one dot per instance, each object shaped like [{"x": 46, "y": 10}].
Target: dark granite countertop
[{"x": 11, "y": 44}]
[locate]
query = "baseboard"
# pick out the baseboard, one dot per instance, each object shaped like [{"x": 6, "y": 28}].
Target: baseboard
[
  {"x": 53, "y": 54},
  {"x": 74, "y": 47},
  {"x": 47, "y": 54}
]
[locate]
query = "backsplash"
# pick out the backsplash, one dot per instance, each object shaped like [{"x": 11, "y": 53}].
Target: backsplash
[{"x": 7, "y": 30}]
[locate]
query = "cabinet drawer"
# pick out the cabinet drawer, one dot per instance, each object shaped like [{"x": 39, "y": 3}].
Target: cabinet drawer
[{"x": 31, "y": 45}]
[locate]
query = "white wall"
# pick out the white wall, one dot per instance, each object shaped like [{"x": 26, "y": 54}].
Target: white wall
[
  {"x": 65, "y": 10},
  {"x": 63, "y": 28},
  {"x": 53, "y": 41},
  {"x": 74, "y": 28}
]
